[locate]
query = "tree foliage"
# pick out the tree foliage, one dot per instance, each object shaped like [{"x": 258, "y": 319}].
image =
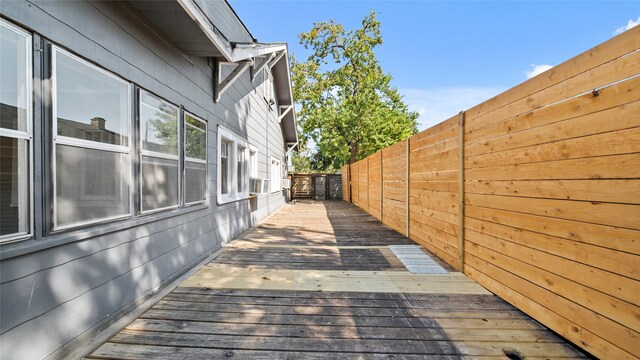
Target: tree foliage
[{"x": 347, "y": 105}]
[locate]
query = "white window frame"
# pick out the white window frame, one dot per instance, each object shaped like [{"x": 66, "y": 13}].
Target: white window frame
[
  {"x": 26, "y": 135},
  {"x": 194, "y": 160},
  {"x": 87, "y": 144},
  {"x": 155, "y": 154},
  {"x": 253, "y": 162},
  {"x": 235, "y": 140},
  {"x": 277, "y": 182},
  {"x": 242, "y": 153},
  {"x": 229, "y": 144}
]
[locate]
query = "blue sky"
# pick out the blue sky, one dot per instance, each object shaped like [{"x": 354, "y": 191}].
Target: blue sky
[{"x": 447, "y": 56}]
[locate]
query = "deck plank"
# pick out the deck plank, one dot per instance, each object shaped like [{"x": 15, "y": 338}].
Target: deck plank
[{"x": 317, "y": 280}]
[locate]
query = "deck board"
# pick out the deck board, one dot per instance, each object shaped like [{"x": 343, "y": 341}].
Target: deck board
[{"x": 317, "y": 280}]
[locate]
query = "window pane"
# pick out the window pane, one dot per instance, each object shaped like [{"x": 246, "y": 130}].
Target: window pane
[
  {"x": 14, "y": 186},
  {"x": 241, "y": 170},
  {"x": 14, "y": 72},
  {"x": 91, "y": 105},
  {"x": 159, "y": 183},
  {"x": 190, "y": 120},
  {"x": 195, "y": 139},
  {"x": 224, "y": 166},
  {"x": 158, "y": 124},
  {"x": 90, "y": 184},
  {"x": 195, "y": 182}
]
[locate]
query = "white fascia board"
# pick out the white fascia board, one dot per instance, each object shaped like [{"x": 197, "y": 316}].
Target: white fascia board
[
  {"x": 206, "y": 26},
  {"x": 246, "y": 52},
  {"x": 230, "y": 54},
  {"x": 293, "y": 108}
]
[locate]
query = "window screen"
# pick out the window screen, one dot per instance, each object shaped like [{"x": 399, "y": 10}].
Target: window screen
[
  {"x": 15, "y": 132},
  {"x": 159, "y": 174},
  {"x": 224, "y": 166},
  {"x": 195, "y": 182},
  {"x": 242, "y": 170},
  {"x": 92, "y": 155}
]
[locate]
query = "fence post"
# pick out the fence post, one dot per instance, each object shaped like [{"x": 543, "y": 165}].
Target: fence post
[
  {"x": 349, "y": 183},
  {"x": 381, "y": 186},
  {"x": 461, "y": 191},
  {"x": 407, "y": 182}
]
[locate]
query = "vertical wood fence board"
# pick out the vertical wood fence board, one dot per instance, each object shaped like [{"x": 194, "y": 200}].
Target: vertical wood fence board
[
  {"x": 363, "y": 178},
  {"x": 435, "y": 149},
  {"x": 394, "y": 186},
  {"x": 346, "y": 187},
  {"x": 375, "y": 185},
  {"x": 355, "y": 184}
]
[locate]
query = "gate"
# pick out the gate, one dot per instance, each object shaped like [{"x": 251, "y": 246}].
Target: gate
[
  {"x": 319, "y": 187},
  {"x": 316, "y": 186}
]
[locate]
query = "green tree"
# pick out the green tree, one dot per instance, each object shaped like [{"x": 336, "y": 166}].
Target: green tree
[
  {"x": 301, "y": 161},
  {"x": 347, "y": 105}
]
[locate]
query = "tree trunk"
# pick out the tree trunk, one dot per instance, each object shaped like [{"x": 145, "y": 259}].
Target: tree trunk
[{"x": 354, "y": 152}]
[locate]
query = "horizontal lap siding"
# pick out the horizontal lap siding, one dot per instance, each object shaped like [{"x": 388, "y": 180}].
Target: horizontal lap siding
[
  {"x": 433, "y": 186},
  {"x": 394, "y": 187},
  {"x": 552, "y": 198},
  {"x": 375, "y": 185},
  {"x": 96, "y": 272}
]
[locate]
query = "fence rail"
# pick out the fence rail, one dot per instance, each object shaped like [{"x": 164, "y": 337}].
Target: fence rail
[{"x": 535, "y": 194}]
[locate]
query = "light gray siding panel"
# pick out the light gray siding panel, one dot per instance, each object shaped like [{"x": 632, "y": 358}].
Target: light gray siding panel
[
  {"x": 224, "y": 20},
  {"x": 72, "y": 318},
  {"x": 38, "y": 293}
]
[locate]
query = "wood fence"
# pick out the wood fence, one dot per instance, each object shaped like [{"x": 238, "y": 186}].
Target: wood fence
[{"x": 535, "y": 194}]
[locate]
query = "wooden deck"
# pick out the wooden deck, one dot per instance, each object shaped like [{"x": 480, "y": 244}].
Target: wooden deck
[{"x": 318, "y": 281}]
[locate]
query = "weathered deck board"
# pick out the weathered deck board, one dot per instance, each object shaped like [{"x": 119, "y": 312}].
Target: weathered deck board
[{"x": 259, "y": 300}]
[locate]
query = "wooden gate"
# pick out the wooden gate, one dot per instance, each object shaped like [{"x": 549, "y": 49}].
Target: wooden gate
[{"x": 316, "y": 186}]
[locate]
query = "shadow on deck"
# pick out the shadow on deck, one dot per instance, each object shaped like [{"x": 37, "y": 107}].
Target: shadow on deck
[{"x": 319, "y": 280}]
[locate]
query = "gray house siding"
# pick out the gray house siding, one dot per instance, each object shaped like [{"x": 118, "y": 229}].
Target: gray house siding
[
  {"x": 54, "y": 288},
  {"x": 226, "y": 23}
]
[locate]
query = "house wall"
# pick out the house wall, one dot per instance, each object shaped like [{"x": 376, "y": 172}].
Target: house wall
[
  {"x": 54, "y": 288},
  {"x": 225, "y": 21}
]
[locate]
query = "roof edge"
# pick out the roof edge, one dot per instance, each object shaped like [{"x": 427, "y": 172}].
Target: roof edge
[{"x": 240, "y": 20}]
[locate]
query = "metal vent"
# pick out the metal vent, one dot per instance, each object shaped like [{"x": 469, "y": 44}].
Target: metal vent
[{"x": 416, "y": 261}]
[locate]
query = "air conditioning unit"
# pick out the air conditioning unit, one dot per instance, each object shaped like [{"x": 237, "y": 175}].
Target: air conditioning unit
[
  {"x": 258, "y": 186},
  {"x": 285, "y": 183}
]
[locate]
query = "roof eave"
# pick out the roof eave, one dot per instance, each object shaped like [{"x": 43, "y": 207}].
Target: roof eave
[{"x": 208, "y": 29}]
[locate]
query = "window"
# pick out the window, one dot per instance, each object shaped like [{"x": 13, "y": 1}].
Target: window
[
  {"x": 91, "y": 145},
  {"x": 276, "y": 174},
  {"x": 233, "y": 182},
  {"x": 224, "y": 166},
  {"x": 15, "y": 133},
  {"x": 253, "y": 163},
  {"x": 242, "y": 170},
  {"x": 195, "y": 159},
  {"x": 159, "y": 175}
]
